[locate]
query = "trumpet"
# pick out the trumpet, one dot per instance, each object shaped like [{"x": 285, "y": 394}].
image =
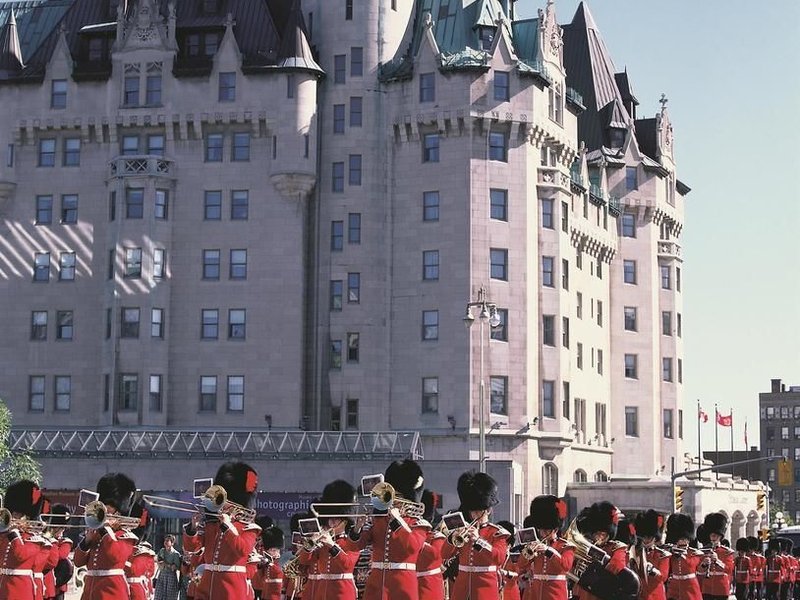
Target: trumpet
[
  {"x": 462, "y": 536},
  {"x": 533, "y": 549},
  {"x": 7, "y": 522},
  {"x": 384, "y": 497}
]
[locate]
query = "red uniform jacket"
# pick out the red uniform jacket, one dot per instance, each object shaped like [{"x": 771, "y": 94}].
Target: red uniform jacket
[
  {"x": 225, "y": 553},
  {"x": 62, "y": 546},
  {"x": 478, "y": 563},
  {"x": 793, "y": 565},
  {"x": 334, "y": 570},
  {"x": 45, "y": 561},
  {"x": 784, "y": 568},
  {"x": 395, "y": 552},
  {"x": 105, "y": 561},
  {"x": 547, "y": 573},
  {"x": 271, "y": 581},
  {"x": 757, "y": 565},
  {"x": 429, "y": 567},
  {"x": 619, "y": 560},
  {"x": 742, "y": 568},
  {"x": 17, "y": 559},
  {"x": 195, "y": 560},
  {"x": 683, "y": 583},
  {"x": 718, "y": 580},
  {"x": 509, "y": 577},
  {"x": 137, "y": 568},
  {"x": 773, "y": 571},
  {"x": 654, "y": 588}
]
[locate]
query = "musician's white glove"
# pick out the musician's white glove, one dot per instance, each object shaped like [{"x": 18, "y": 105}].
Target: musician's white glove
[{"x": 225, "y": 521}]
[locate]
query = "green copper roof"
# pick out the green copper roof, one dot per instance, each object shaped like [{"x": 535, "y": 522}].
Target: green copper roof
[{"x": 36, "y": 19}]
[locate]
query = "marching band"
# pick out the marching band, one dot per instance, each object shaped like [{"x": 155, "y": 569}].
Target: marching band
[{"x": 395, "y": 547}]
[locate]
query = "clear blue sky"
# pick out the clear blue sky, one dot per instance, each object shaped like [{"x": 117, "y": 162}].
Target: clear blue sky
[{"x": 731, "y": 71}]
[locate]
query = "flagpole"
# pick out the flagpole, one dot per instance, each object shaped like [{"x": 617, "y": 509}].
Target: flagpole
[
  {"x": 699, "y": 454},
  {"x": 746, "y": 448},
  {"x": 732, "y": 459},
  {"x": 716, "y": 439}
]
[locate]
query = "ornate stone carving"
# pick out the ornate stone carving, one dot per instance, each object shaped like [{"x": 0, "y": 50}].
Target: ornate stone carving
[{"x": 294, "y": 186}]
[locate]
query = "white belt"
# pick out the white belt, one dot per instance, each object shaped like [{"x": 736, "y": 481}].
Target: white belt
[
  {"x": 469, "y": 569},
  {"x": 104, "y": 573},
  {"x": 273, "y": 580},
  {"x": 717, "y": 574},
  {"x": 393, "y": 566},
  {"x": 19, "y": 572},
  {"x": 437, "y": 571},
  {"x": 689, "y": 576},
  {"x": 549, "y": 577},
  {"x": 142, "y": 579},
  {"x": 226, "y": 568},
  {"x": 39, "y": 576},
  {"x": 334, "y": 576}
]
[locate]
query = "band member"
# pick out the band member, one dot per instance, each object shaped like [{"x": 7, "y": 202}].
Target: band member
[
  {"x": 649, "y": 527},
  {"x": 774, "y": 570},
  {"x": 796, "y": 557},
  {"x": 787, "y": 589},
  {"x": 139, "y": 570},
  {"x": 105, "y": 549},
  {"x": 600, "y": 525},
  {"x": 55, "y": 581},
  {"x": 396, "y": 539},
  {"x": 227, "y": 541},
  {"x": 429, "y": 563},
  {"x": 742, "y": 569},
  {"x": 509, "y": 572},
  {"x": 270, "y": 568},
  {"x": 683, "y": 583},
  {"x": 295, "y": 580},
  {"x": 192, "y": 561},
  {"x": 545, "y": 564},
  {"x": 758, "y": 564},
  {"x": 18, "y": 554},
  {"x": 718, "y": 563},
  {"x": 484, "y": 549}
]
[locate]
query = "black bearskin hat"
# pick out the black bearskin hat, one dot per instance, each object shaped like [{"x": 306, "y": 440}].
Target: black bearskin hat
[
  {"x": 753, "y": 543},
  {"x": 264, "y": 521},
  {"x": 548, "y": 512},
  {"x": 476, "y": 491},
  {"x": 116, "y": 490},
  {"x": 715, "y": 523},
  {"x": 337, "y": 492},
  {"x": 702, "y": 535},
  {"x": 626, "y": 532},
  {"x": 240, "y": 480},
  {"x": 679, "y": 526},
  {"x": 63, "y": 511},
  {"x": 509, "y": 527},
  {"x": 431, "y": 502},
  {"x": 742, "y": 545},
  {"x": 796, "y": 552},
  {"x": 528, "y": 522},
  {"x": 137, "y": 509},
  {"x": 24, "y": 497},
  {"x": 774, "y": 545},
  {"x": 405, "y": 476},
  {"x": 649, "y": 524},
  {"x": 272, "y": 537},
  {"x": 603, "y": 516},
  {"x": 582, "y": 520}
]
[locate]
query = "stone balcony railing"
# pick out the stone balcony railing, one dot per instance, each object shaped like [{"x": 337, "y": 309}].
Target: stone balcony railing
[
  {"x": 552, "y": 177},
  {"x": 669, "y": 250},
  {"x": 144, "y": 165}
]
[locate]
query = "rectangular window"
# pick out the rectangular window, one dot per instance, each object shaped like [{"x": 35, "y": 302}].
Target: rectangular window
[
  {"x": 677, "y": 279},
  {"x": 430, "y": 265},
  {"x": 498, "y": 147},
  {"x": 549, "y": 330},
  {"x": 64, "y": 327},
  {"x": 631, "y": 366},
  {"x": 354, "y": 228},
  {"x": 354, "y": 172},
  {"x": 565, "y": 400},
  {"x": 784, "y": 433},
  {"x": 208, "y": 393},
  {"x": 237, "y": 324},
  {"x": 236, "y": 393},
  {"x": 159, "y": 263},
  {"x": 240, "y": 205},
  {"x": 336, "y": 354},
  {"x": 210, "y": 324},
  {"x": 564, "y": 217},
  {"x": 338, "y": 118},
  {"x": 337, "y": 294},
  {"x": 666, "y": 322},
  {"x": 599, "y": 361},
  {"x": 353, "y": 288},
  {"x": 501, "y": 86},
  {"x": 337, "y": 236},
  {"x": 548, "y": 275},
  {"x": 41, "y": 266},
  {"x": 599, "y": 267},
  {"x": 58, "y": 93},
  {"x": 630, "y": 318},
  {"x": 44, "y": 210},
  {"x": 666, "y": 277},
  {"x": 666, "y": 369},
  {"x": 155, "y": 393},
  {"x": 153, "y": 91},
  {"x": 356, "y": 61},
  {"x": 353, "y": 347},
  {"x": 430, "y": 325},
  {"x": 629, "y": 271},
  {"x": 134, "y": 203},
  {"x": 498, "y": 402},
  {"x": 679, "y": 325},
  {"x": 579, "y": 258},
  {"x": 130, "y": 323},
  {"x": 352, "y": 413},
  {"x": 430, "y": 149},
  {"x": 214, "y": 146},
  {"x": 579, "y": 305},
  {"x": 131, "y": 95},
  {"x": 72, "y": 152},
  {"x": 339, "y": 68},
  {"x": 241, "y": 147},
  {"x": 565, "y": 274},
  {"x": 427, "y": 87},
  {"x": 36, "y": 393},
  {"x": 680, "y": 370},
  {"x": 631, "y": 421},
  {"x": 161, "y": 208},
  {"x": 10, "y": 155},
  {"x": 47, "y": 152},
  {"x": 548, "y": 399},
  {"x": 290, "y": 85},
  {"x": 130, "y": 145},
  {"x": 498, "y": 258},
  {"x": 66, "y": 266},
  {"x": 227, "y": 87},
  {"x": 600, "y": 419},
  {"x": 498, "y": 202},
  {"x": 631, "y": 180},
  {"x": 629, "y": 225},
  {"x": 157, "y": 323},
  {"x": 500, "y": 333},
  {"x": 599, "y": 313},
  {"x": 668, "y": 426},
  {"x": 238, "y": 264},
  {"x": 111, "y": 258},
  {"x": 579, "y": 356},
  {"x": 547, "y": 214},
  {"x": 112, "y": 206},
  {"x": 63, "y": 384},
  {"x": 430, "y": 206},
  {"x": 680, "y": 424},
  {"x": 430, "y": 395},
  {"x": 337, "y": 177},
  {"x": 565, "y": 332},
  {"x": 356, "y": 111},
  {"x": 348, "y": 10},
  {"x": 210, "y": 264},
  {"x": 133, "y": 263},
  {"x": 39, "y": 325}
]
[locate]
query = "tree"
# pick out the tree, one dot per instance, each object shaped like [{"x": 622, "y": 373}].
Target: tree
[
  {"x": 14, "y": 464},
  {"x": 774, "y": 509}
]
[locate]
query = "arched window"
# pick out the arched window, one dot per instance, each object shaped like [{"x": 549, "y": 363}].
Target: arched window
[
  {"x": 550, "y": 479},
  {"x": 580, "y": 476},
  {"x": 600, "y": 476}
]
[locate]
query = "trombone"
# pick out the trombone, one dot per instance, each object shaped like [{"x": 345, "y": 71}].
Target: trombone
[
  {"x": 385, "y": 497},
  {"x": 96, "y": 517},
  {"x": 214, "y": 501},
  {"x": 7, "y": 521}
]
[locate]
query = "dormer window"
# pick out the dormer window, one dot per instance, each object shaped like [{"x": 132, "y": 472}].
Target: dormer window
[
  {"x": 616, "y": 137},
  {"x": 486, "y": 37},
  {"x": 556, "y": 103}
]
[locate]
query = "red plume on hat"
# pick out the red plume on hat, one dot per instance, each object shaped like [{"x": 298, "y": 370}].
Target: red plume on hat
[{"x": 561, "y": 507}]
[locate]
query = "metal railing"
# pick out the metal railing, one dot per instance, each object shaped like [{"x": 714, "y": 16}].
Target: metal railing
[{"x": 140, "y": 164}]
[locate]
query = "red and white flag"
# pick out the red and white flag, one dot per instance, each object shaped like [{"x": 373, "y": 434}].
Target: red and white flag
[
  {"x": 702, "y": 415},
  {"x": 724, "y": 421}
]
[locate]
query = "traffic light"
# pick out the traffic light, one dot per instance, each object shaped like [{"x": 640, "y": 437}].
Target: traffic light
[
  {"x": 761, "y": 501},
  {"x": 763, "y": 534},
  {"x": 678, "y": 498}
]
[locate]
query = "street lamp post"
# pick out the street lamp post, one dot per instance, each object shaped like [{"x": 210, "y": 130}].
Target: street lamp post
[{"x": 487, "y": 312}]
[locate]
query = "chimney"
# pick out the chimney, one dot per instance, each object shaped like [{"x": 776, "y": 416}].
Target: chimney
[{"x": 776, "y": 386}]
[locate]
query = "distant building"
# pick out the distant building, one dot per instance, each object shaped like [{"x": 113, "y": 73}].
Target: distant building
[{"x": 780, "y": 436}]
